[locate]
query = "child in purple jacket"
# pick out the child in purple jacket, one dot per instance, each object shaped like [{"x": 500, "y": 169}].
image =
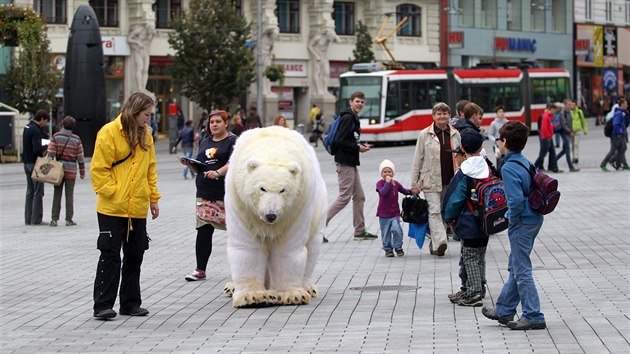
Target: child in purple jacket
[{"x": 388, "y": 211}]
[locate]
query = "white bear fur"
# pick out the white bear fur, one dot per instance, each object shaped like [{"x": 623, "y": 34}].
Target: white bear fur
[{"x": 273, "y": 171}]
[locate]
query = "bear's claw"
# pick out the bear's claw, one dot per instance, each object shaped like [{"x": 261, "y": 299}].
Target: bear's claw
[
  {"x": 311, "y": 289},
  {"x": 229, "y": 289},
  {"x": 257, "y": 298},
  {"x": 297, "y": 296}
]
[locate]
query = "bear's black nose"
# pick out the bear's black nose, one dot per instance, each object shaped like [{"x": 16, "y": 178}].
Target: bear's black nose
[{"x": 271, "y": 217}]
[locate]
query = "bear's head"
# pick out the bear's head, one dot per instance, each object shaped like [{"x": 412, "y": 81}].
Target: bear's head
[{"x": 273, "y": 188}]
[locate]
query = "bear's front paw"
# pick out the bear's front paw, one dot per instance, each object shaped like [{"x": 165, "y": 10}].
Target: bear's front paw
[
  {"x": 259, "y": 298},
  {"x": 311, "y": 289},
  {"x": 297, "y": 296},
  {"x": 228, "y": 289}
]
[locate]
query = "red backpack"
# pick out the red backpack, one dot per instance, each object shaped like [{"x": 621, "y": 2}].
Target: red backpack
[
  {"x": 543, "y": 195},
  {"x": 488, "y": 203}
]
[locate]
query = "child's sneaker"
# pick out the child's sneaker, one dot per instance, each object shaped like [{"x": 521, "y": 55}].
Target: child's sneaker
[
  {"x": 400, "y": 252},
  {"x": 454, "y": 297},
  {"x": 198, "y": 274},
  {"x": 471, "y": 300},
  {"x": 389, "y": 253}
]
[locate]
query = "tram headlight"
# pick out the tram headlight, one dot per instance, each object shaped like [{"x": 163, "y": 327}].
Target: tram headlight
[{"x": 372, "y": 121}]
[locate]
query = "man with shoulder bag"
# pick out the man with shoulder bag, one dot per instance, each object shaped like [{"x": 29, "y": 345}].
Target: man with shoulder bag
[{"x": 32, "y": 148}]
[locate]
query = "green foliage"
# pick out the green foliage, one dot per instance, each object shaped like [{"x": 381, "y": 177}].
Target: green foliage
[
  {"x": 275, "y": 73},
  {"x": 30, "y": 83},
  {"x": 363, "y": 52},
  {"x": 212, "y": 62}
]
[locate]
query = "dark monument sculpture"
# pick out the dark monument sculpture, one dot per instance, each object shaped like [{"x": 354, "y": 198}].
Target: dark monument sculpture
[{"x": 84, "y": 84}]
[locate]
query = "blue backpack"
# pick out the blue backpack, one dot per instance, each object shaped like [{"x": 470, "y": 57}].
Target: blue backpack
[{"x": 330, "y": 138}]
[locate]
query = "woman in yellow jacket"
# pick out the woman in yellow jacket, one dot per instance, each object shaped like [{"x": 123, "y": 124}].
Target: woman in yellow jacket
[{"x": 124, "y": 178}]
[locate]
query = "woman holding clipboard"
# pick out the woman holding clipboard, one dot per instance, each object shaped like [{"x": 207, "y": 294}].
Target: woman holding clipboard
[{"x": 211, "y": 165}]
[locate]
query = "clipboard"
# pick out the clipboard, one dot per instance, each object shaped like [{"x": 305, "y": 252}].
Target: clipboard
[{"x": 201, "y": 165}]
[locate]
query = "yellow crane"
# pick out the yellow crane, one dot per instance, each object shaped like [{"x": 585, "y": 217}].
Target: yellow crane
[{"x": 382, "y": 41}]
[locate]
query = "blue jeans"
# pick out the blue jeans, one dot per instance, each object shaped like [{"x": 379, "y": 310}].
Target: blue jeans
[
  {"x": 188, "y": 151},
  {"x": 391, "y": 233},
  {"x": 34, "y": 206},
  {"x": 520, "y": 286},
  {"x": 546, "y": 147},
  {"x": 566, "y": 150}
]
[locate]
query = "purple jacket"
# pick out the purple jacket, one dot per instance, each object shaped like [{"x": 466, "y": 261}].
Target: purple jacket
[{"x": 388, "y": 198}]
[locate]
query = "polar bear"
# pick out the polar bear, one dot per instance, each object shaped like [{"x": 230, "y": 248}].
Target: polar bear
[{"x": 275, "y": 206}]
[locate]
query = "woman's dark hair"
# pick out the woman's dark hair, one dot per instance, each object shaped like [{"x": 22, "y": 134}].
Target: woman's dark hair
[{"x": 514, "y": 134}]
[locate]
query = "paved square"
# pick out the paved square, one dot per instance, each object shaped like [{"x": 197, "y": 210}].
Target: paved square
[{"x": 581, "y": 260}]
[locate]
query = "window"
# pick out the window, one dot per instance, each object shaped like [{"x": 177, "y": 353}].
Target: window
[
  {"x": 411, "y": 28},
  {"x": 588, "y": 9},
  {"x": 166, "y": 11},
  {"x": 106, "y": 12},
  {"x": 538, "y": 19},
  {"x": 408, "y": 95},
  {"x": 609, "y": 10},
  {"x": 627, "y": 17},
  {"x": 467, "y": 17},
  {"x": 559, "y": 16},
  {"x": 370, "y": 86},
  {"x": 514, "y": 15},
  {"x": 489, "y": 97},
  {"x": 549, "y": 90},
  {"x": 53, "y": 11},
  {"x": 238, "y": 6},
  {"x": 289, "y": 16},
  {"x": 344, "y": 18},
  {"x": 489, "y": 13}
]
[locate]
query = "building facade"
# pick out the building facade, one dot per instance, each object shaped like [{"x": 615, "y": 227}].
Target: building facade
[
  {"x": 498, "y": 32},
  {"x": 602, "y": 52}
]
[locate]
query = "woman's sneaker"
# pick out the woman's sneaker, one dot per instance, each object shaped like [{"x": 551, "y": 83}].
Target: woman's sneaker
[{"x": 198, "y": 274}]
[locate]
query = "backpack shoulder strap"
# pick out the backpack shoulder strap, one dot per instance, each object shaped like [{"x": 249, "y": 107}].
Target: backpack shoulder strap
[{"x": 531, "y": 170}]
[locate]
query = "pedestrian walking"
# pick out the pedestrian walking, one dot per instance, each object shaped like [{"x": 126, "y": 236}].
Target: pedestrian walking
[
  {"x": 214, "y": 153},
  {"x": 566, "y": 133},
  {"x": 124, "y": 177},
  {"x": 388, "y": 210},
  {"x": 68, "y": 149},
  {"x": 618, "y": 138},
  {"x": 433, "y": 168},
  {"x": 349, "y": 147},
  {"x": 187, "y": 138},
  {"x": 545, "y": 133},
  {"x": 32, "y": 149},
  {"x": 525, "y": 223},
  {"x": 580, "y": 129}
]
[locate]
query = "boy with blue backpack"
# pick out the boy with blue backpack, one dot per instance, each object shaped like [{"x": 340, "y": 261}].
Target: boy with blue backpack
[
  {"x": 525, "y": 223},
  {"x": 457, "y": 210}
]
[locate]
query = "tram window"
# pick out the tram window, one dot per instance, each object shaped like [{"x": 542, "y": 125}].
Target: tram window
[
  {"x": 420, "y": 94},
  {"x": 549, "y": 90},
  {"x": 490, "y": 97},
  {"x": 392, "y": 104}
]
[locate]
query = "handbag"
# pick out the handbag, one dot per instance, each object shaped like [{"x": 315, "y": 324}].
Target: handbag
[
  {"x": 415, "y": 210},
  {"x": 211, "y": 211},
  {"x": 48, "y": 170}
]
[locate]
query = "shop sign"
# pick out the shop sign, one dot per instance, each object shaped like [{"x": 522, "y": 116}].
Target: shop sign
[
  {"x": 456, "y": 40},
  {"x": 582, "y": 46},
  {"x": 594, "y": 56},
  {"x": 509, "y": 44},
  {"x": 294, "y": 68},
  {"x": 610, "y": 46},
  {"x": 115, "y": 46}
]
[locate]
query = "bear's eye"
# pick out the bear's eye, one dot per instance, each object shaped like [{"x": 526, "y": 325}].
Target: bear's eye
[
  {"x": 263, "y": 189},
  {"x": 282, "y": 191}
]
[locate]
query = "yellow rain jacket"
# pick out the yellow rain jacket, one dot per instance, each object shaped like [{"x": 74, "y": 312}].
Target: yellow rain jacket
[{"x": 126, "y": 189}]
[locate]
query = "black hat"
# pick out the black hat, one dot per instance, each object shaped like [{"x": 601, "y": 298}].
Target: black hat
[{"x": 471, "y": 141}]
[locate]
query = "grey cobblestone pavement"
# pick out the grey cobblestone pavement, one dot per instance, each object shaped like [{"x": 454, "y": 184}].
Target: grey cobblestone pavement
[{"x": 581, "y": 260}]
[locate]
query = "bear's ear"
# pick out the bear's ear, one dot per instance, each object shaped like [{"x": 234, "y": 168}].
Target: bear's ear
[
  {"x": 252, "y": 165},
  {"x": 294, "y": 168}
]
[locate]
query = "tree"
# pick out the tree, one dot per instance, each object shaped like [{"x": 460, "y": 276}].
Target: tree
[
  {"x": 363, "y": 52},
  {"x": 30, "y": 84},
  {"x": 212, "y": 62}
]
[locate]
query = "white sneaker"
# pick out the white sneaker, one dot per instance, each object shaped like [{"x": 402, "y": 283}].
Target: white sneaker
[{"x": 198, "y": 274}]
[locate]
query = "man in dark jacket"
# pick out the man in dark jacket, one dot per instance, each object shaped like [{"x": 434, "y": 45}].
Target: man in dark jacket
[
  {"x": 348, "y": 147},
  {"x": 32, "y": 148}
]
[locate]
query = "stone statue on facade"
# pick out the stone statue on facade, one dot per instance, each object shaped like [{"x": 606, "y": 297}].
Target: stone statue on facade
[
  {"x": 269, "y": 36},
  {"x": 139, "y": 39},
  {"x": 318, "y": 47}
]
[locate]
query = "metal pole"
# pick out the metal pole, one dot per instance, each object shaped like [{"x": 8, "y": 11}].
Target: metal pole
[{"x": 259, "y": 62}]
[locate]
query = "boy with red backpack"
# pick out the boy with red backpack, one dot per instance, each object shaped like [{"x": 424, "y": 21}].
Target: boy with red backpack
[{"x": 456, "y": 211}]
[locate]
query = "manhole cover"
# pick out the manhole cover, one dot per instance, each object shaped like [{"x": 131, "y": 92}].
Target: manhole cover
[{"x": 385, "y": 288}]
